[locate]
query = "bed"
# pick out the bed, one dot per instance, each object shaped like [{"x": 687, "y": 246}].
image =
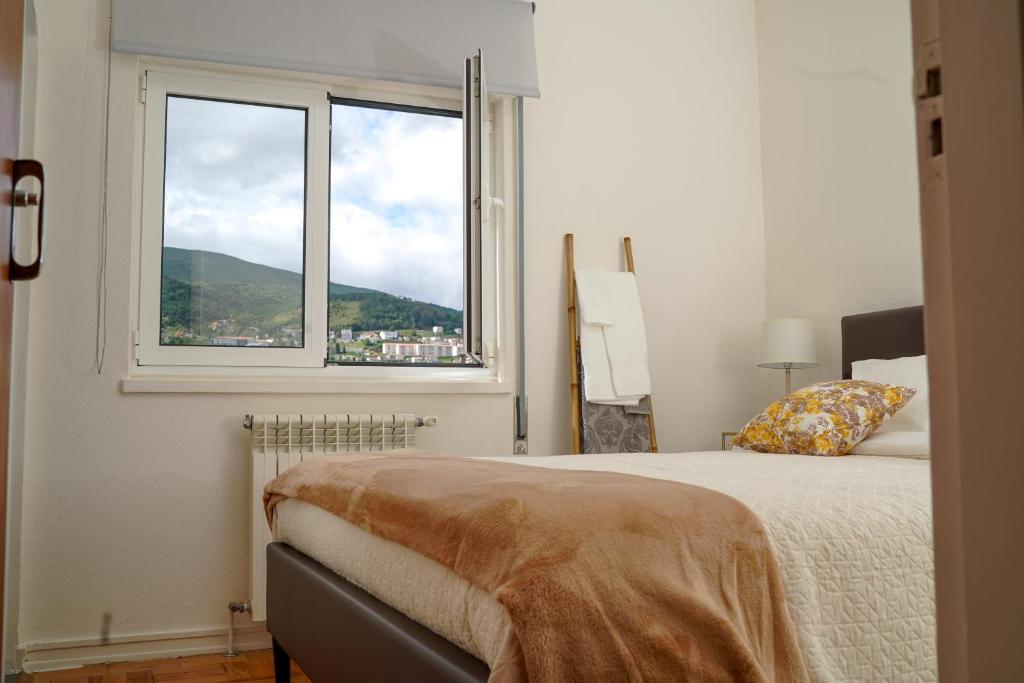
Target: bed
[{"x": 852, "y": 536}]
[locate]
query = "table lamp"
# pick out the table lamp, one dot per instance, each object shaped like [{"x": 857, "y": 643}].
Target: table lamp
[{"x": 787, "y": 343}]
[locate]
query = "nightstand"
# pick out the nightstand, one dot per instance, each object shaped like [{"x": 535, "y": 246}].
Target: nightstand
[{"x": 727, "y": 440}]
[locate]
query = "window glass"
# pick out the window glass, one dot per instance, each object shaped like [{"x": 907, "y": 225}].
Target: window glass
[
  {"x": 396, "y": 236},
  {"x": 233, "y": 224}
]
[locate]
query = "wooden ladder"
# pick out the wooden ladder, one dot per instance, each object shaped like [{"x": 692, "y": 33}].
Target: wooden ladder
[{"x": 575, "y": 398}]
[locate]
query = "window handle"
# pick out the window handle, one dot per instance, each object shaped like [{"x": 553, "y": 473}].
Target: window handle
[{"x": 27, "y": 168}]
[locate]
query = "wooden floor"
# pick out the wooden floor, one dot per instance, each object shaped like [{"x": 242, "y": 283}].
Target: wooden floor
[{"x": 257, "y": 666}]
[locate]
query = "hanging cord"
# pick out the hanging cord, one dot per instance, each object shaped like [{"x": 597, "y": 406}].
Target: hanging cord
[{"x": 101, "y": 270}]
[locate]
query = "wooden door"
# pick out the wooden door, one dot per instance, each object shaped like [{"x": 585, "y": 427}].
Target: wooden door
[
  {"x": 11, "y": 28},
  {"x": 969, "y": 86}
]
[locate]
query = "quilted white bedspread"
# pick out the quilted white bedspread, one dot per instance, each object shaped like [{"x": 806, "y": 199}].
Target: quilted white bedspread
[{"x": 852, "y": 536}]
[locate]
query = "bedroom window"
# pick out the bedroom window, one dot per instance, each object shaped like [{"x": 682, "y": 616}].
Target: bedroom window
[{"x": 291, "y": 225}]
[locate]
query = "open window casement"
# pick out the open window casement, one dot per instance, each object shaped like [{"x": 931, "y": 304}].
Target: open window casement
[{"x": 476, "y": 199}]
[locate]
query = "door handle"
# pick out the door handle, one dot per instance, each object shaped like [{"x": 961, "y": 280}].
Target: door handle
[{"x": 27, "y": 168}]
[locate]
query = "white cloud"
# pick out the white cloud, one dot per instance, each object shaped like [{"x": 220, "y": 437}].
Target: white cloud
[
  {"x": 396, "y": 191},
  {"x": 368, "y": 250},
  {"x": 395, "y": 158},
  {"x": 235, "y": 180}
]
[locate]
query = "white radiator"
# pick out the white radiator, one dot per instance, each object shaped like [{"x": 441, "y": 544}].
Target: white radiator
[{"x": 280, "y": 441}]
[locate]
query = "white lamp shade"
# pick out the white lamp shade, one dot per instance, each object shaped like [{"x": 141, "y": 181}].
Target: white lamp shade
[{"x": 787, "y": 342}]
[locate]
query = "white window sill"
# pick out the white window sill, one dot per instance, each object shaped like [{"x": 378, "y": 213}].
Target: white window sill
[{"x": 243, "y": 384}]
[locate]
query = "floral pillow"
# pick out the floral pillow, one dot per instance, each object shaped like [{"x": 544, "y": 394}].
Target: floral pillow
[{"x": 829, "y": 418}]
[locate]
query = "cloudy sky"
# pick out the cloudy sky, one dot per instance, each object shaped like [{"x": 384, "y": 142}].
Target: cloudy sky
[{"x": 234, "y": 184}]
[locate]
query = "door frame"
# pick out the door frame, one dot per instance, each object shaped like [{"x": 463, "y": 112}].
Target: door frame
[
  {"x": 971, "y": 168},
  {"x": 12, "y": 23}
]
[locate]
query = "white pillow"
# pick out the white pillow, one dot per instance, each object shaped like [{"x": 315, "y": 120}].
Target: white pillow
[
  {"x": 896, "y": 444},
  {"x": 911, "y": 371}
]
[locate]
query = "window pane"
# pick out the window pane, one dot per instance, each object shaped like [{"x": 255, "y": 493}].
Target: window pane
[
  {"x": 396, "y": 257},
  {"x": 234, "y": 224}
]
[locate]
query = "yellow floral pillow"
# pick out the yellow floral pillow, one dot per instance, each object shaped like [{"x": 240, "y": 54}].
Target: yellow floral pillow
[{"x": 829, "y": 418}]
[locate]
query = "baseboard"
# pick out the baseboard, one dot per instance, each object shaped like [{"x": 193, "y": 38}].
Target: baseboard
[{"x": 68, "y": 654}]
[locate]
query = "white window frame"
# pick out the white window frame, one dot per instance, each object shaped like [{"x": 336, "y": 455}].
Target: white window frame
[
  {"x": 158, "y": 87},
  {"x": 187, "y": 368}
]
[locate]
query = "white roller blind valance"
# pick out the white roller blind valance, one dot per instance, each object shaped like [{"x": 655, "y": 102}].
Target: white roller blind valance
[{"x": 407, "y": 41}]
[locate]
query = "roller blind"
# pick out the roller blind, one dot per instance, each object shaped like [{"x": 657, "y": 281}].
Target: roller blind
[{"x": 408, "y": 41}]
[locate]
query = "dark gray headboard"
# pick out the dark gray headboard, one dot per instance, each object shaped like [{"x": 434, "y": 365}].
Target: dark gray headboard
[{"x": 888, "y": 334}]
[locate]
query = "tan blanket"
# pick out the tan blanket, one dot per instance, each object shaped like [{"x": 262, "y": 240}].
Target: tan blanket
[{"x": 605, "y": 577}]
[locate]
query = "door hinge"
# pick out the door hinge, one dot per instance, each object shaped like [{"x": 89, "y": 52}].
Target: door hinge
[
  {"x": 135, "y": 346},
  {"x": 476, "y": 76},
  {"x": 142, "y": 87},
  {"x": 930, "y": 109}
]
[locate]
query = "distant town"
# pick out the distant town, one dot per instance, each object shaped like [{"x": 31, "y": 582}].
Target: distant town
[
  {"x": 213, "y": 299},
  {"x": 397, "y": 346},
  {"x": 431, "y": 346}
]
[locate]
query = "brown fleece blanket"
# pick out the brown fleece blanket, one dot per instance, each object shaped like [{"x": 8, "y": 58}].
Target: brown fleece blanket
[{"x": 605, "y": 576}]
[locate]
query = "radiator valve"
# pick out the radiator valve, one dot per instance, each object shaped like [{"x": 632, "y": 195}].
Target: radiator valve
[{"x": 233, "y": 609}]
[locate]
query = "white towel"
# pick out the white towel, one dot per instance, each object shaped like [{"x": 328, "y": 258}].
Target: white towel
[{"x": 613, "y": 343}]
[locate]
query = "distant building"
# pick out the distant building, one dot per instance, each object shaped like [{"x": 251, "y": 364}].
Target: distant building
[
  {"x": 233, "y": 341},
  {"x": 388, "y": 334},
  {"x": 345, "y": 335},
  {"x": 367, "y": 336},
  {"x": 427, "y": 351},
  {"x": 458, "y": 330},
  {"x": 399, "y": 349},
  {"x": 437, "y": 329}
]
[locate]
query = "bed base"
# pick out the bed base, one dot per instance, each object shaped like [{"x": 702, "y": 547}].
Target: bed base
[{"x": 336, "y": 631}]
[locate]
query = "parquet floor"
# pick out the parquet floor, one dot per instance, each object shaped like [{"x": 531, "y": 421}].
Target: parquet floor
[{"x": 256, "y": 666}]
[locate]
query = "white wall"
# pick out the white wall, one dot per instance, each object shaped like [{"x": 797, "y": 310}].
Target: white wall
[
  {"x": 842, "y": 230},
  {"x": 647, "y": 126},
  {"x": 136, "y": 505}
]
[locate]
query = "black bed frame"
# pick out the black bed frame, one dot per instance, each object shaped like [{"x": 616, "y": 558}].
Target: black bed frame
[
  {"x": 338, "y": 632},
  {"x": 895, "y": 333}
]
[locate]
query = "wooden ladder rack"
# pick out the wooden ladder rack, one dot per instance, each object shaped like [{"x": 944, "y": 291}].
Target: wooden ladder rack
[{"x": 575, "y": 394}]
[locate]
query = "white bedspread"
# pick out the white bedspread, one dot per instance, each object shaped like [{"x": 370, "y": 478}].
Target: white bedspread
[{"x": 852, "y": 536}]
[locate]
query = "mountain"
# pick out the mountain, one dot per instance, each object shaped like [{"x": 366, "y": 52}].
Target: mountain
[{"x": 201, "y": 288}]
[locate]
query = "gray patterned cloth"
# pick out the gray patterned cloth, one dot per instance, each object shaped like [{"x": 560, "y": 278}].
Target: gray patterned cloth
[{"x": 614, "y": 429}]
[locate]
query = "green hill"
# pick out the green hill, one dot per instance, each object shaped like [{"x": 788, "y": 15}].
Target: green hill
[{"x": 206, "y": 293}]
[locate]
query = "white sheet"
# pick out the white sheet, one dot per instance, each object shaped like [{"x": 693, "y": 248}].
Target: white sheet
[
  {"x": 896, "y": 445},
  {"x": 852, "y": 536}
]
